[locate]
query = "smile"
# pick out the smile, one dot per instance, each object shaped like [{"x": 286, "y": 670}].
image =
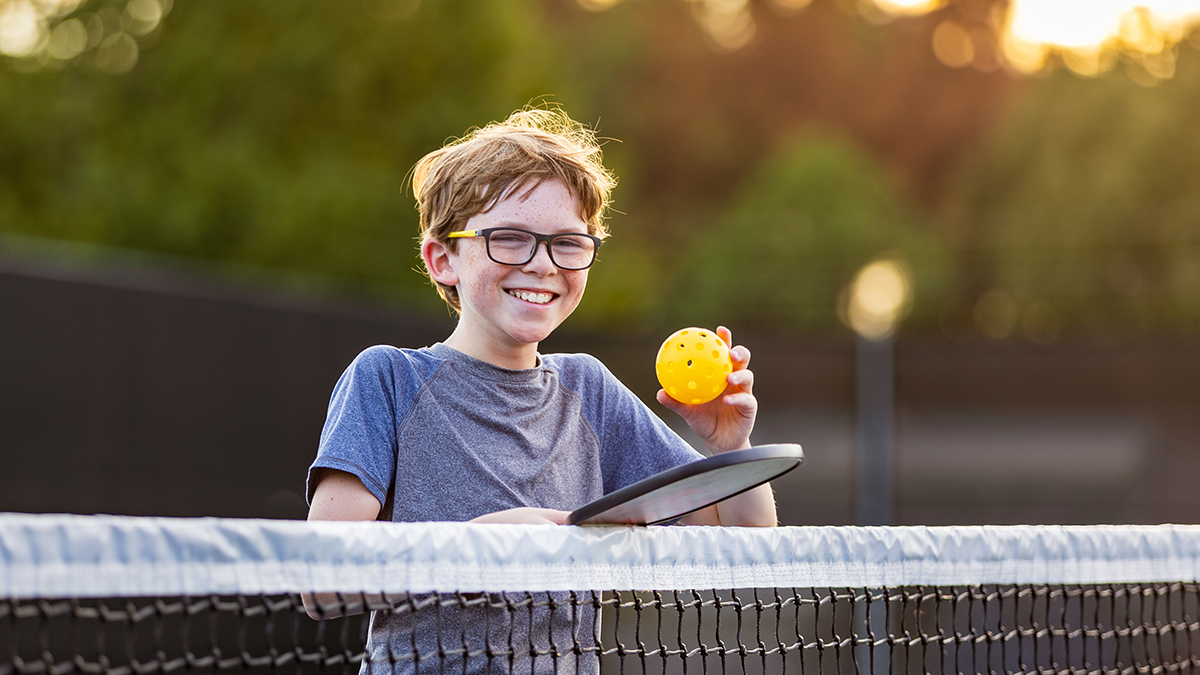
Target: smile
[{"x": 535, "y": 298}]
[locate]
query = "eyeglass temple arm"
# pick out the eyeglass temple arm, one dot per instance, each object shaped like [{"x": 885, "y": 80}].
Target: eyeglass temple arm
[{"x": 463, "y": 233}]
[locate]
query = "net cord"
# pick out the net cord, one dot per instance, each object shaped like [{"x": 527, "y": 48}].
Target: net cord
[{"x": 50, "y": 556}]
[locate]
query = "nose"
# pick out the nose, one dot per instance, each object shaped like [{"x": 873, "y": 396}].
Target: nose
[{"x": 540, "y": 263}]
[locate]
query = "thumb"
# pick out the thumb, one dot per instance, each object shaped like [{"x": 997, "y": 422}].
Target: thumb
[{"x": 665, "y": 399}]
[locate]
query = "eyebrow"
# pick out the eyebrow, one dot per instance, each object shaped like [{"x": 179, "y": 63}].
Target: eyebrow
[{"x": 525, "y": 226}]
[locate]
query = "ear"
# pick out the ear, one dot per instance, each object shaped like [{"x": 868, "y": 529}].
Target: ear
[{"x": 438, "y": 261}]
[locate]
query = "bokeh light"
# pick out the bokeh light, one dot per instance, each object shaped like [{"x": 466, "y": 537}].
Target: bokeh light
[
  {"x": 908, "y": 6},
  {"x": 68, "y": 40},
  {"x": 64, "y": 31},
  {"x": 1085, "y": 35},
  {"x": 21, "y": 29},
  {"x": 728, "y": 22},
  {"x": 952, "y": 44},
  {"x": 597, "y": 5},
  {"x": 792, "y": 5},
  {"x": 878, "y": 298}
]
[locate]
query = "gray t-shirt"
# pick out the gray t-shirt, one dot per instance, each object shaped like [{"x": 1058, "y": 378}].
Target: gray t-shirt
[{"x": 436, "y": 435}]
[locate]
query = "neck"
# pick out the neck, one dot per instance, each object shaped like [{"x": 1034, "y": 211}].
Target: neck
[{"x": 514, "y": 357}]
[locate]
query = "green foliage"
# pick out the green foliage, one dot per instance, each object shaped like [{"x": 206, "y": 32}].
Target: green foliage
[
  {"x": 1089, "y": 199},
  {"x": 274, "y": 134},
  {"x": 626, "y": 284},
  {"x": 803, "y": 223}
]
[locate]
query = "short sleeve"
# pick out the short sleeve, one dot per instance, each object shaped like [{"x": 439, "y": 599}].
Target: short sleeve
[{"x": 359, "y": 436}]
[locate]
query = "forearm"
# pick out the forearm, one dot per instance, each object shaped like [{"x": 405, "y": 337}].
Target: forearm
[{"x": 753, "y": 508}]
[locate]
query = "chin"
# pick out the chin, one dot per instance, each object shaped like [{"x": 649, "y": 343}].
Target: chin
[{"x": 530, "y": 335}]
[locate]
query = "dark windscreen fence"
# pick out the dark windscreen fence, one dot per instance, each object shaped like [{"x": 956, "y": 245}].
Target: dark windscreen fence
[{"x": 122, "y": 596}]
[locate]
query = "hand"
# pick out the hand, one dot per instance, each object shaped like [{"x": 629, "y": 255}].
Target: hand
[
  {"x": 526, "y": 515},
  {"x": 725, "y": 422}
]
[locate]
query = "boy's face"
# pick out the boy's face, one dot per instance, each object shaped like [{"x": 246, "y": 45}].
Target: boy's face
[{"x": 509, "y": 309}]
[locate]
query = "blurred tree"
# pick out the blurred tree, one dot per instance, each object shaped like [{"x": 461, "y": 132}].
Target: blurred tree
[
  {"x": 1085, "y": 208},
  {"x": 275, "y": 134},
  {"x": 803, "y": 223}
]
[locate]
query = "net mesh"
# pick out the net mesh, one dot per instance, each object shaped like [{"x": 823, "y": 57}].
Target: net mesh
[{"x": 1039, "y": 625}]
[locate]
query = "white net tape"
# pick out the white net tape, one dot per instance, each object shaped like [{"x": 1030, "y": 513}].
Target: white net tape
[{"x": 46, "y": 556}]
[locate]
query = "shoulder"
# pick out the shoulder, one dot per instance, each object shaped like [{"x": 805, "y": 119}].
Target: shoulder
[
  {"x": 387, "y": 357},
  {"x": 394, "y": 365}
]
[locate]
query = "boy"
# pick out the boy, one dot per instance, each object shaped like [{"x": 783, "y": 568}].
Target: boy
[{"x": 483, "y": 428}]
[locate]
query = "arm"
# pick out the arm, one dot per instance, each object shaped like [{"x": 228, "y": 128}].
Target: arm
[
  {"x": 724, "y": 424},
  {"x": 525, "y": 514},
  {"x": 340, "y": 496}
]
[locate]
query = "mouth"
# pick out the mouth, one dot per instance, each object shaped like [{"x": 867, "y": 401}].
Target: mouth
[{"x": 534, "y": 297}]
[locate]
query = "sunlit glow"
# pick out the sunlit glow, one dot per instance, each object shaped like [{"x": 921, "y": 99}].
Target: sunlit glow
[
  {"x": 878, "y": 298},
  {"x": 792, "y": 5},
  {"x": 1027, "y": 57},
  {"x": 953, "y": 45},
  {"x": 21, "y": 29},
  {"x": 117, "y": 54},
  {"x": 42, "y": 31},
  {"x": 68, "y": 40},
  {"x": 907, "y": 6},
  {"x": 728, "y": 22},
  {"x": 597, "y": 5},
  {"x": 1088, "y": 61},
  {"x": 1086, "y": 34},
  {"x": 1065, "y": 23},
  {"x": 144, "y": 15},
  {"x": 1089, "y": 33}
]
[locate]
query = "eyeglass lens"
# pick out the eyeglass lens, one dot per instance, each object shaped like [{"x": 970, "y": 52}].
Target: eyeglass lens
[{"x": 516, "y": 247}]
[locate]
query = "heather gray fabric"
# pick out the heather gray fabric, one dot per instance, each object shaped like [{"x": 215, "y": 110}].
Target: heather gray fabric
[{"x": 436, "y": 435}]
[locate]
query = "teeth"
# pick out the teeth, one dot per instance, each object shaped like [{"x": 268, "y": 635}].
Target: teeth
[{"x": 536, "y": 298}]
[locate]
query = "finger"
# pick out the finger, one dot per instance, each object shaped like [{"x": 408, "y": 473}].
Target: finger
[
  {"x": 665, "y": 399},
  {"x": 740, "y": 356},
  {"x": 744, "y": 402},
  {"x": 737, "y": 354},
  {"x": 741, "y": 379},
  {"x": 724, "y": 334}
]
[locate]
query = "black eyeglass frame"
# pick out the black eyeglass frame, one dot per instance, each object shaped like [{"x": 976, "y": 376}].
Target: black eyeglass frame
[{"x": 487, "y": 233}]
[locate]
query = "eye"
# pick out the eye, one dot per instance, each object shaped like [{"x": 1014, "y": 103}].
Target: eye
[
  {"x": 509, "y": 237},
  {"x": 570, "y": 243}
]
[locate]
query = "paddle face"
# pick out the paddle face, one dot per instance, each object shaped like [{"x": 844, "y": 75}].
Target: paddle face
[{"x": 683, "y": 489}]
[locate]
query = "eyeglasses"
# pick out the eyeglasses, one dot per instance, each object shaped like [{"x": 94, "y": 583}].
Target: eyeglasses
[{"x": 513, "y": 246}]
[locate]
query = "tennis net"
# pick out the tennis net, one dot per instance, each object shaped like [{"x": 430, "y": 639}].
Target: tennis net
[{"x": 125, "y": 596}]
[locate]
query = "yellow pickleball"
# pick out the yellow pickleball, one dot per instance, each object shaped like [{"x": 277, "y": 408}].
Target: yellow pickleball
[{"x": 692, "y": 365}]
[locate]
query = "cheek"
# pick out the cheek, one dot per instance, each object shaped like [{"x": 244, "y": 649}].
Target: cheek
[{"x": 578, "y": 283}]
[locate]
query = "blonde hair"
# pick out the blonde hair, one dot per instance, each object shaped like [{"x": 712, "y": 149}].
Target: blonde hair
[{"x": 469, "y": 175}]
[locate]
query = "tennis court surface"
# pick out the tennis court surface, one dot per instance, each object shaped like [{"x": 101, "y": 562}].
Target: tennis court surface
[{"x": 122, "y": 596}]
